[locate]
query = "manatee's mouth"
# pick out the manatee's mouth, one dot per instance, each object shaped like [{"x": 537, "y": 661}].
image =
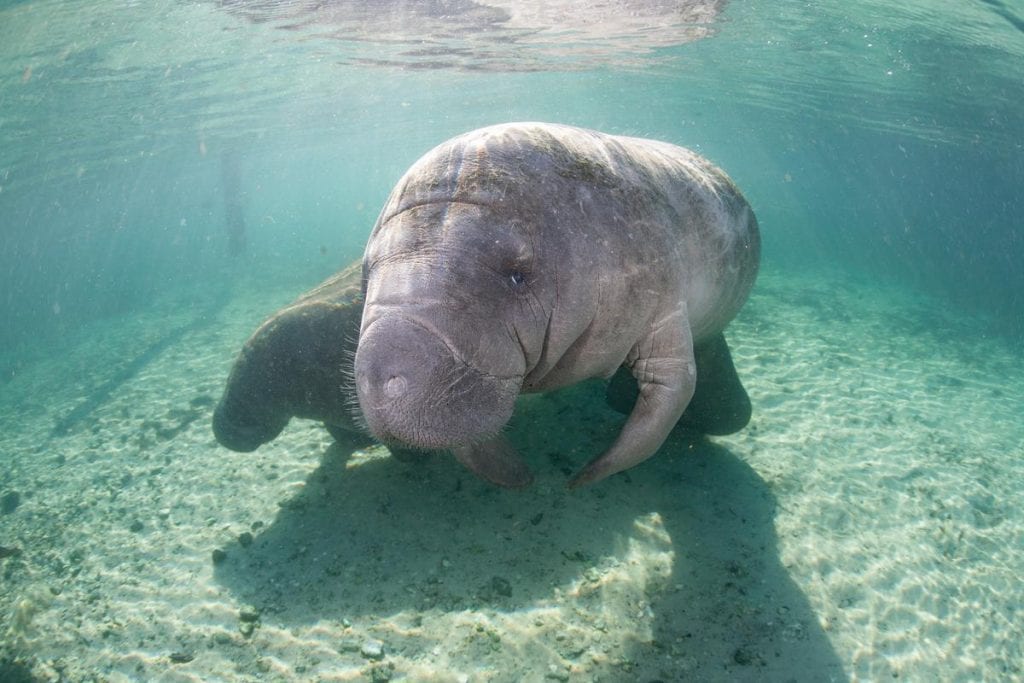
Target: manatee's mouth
[{"x": 415, "y": 391}]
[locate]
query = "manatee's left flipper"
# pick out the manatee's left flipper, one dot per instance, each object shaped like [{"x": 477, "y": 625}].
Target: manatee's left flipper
[
  {"x": 496, "y": 461},
  {"x": 720, "y": 404},
  {"x": 664, "y": 368},
  {"x": 621, "y": 392}
]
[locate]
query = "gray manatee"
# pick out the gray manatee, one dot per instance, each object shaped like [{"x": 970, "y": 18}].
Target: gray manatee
[
  {"x": 525, "y": 257},
  {"x": 296, "y": 364}
]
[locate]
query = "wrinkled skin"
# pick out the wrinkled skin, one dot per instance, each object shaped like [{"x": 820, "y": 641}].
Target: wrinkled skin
[{"x": 527, "y": 257}]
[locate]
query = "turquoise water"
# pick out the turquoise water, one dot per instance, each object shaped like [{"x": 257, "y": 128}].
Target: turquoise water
[
  {"x": 867, "y": 136},
  {"x": 160, "y": 162}
]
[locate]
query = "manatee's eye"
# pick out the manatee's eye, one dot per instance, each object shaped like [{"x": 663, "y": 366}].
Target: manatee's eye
[{"x": 517, "y": 278}]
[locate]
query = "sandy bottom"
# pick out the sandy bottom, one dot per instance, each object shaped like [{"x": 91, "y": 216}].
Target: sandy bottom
[{"x": 867, "y": 525}]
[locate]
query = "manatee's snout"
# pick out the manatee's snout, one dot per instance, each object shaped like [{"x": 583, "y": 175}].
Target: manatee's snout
[
  {"x": 414, "y": 390},
  {"x": 237, "y": 429},
  {"x": 395, "y": 369}
]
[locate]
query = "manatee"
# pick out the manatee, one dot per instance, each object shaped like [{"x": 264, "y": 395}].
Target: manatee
[
  {"x": 296, "y": 364},
  {"x": 525, "y": 257}
]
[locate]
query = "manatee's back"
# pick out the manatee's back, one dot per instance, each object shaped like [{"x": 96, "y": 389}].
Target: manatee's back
[
  {"x": 716, "y": 236},
  {"x": 717, "y": 231}
]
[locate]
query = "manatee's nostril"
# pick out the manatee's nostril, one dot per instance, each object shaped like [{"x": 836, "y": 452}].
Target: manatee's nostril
[{"x": 395, "y": 386}]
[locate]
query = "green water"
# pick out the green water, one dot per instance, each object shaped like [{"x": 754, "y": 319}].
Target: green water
[{"x": 160, "y": 157}]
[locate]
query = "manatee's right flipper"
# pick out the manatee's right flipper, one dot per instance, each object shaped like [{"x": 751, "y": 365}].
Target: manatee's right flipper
[
  {"x": 344, "y": 434},
  {"x": 496, "y": 461},
  {"x": 407, "y": 454},
  {"x": 720, "y": 404}
]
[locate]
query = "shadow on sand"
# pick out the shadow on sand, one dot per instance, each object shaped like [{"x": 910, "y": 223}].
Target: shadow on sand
[{"x": 386, "y": 540}]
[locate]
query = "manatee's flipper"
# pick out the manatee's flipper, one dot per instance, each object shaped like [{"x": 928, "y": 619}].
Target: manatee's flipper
[
  {"x": 342, "y": 434},
  {"x": 346, "y": 433},
  {"x": 720, "y": 404},
  {"x": 664, "y": 368},
  {"x": 621, "y": 392},
  {"x": 496, "y": 461},
  {"x": 407, "y": 454}
]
